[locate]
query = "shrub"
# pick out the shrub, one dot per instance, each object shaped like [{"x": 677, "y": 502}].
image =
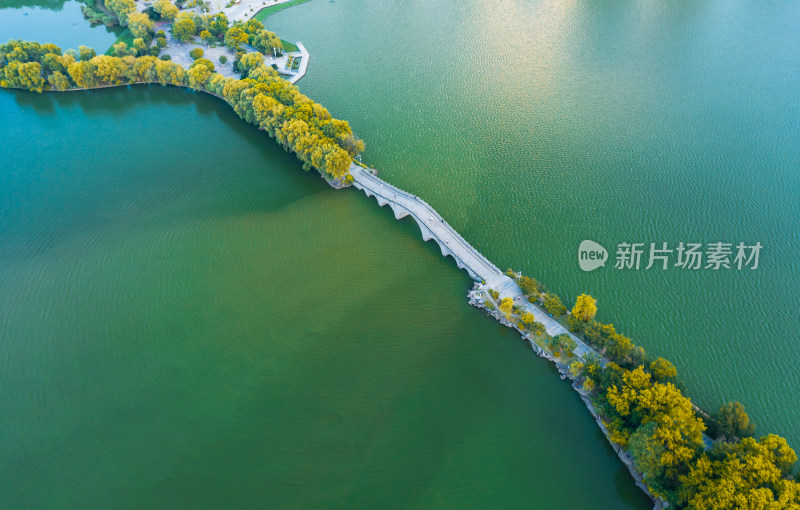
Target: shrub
[
  {"x": 574, "y": 324},
  {"x": 196, "y": 53},
  {"x": 165, "y": 56},
  {"x": 223, "y": 59}
]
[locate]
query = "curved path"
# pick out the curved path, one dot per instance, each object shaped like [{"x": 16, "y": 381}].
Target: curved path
[{"x": 433, "y": 226}]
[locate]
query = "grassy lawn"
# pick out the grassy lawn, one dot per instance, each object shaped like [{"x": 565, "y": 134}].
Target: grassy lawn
[
  {"x": 289, "y": 47},
  {"x": 126, "y": 36},
  {"x": 272, "y": 9}
]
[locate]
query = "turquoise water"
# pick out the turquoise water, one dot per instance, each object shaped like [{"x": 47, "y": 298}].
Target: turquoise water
[{"x": 57, "y": 21}]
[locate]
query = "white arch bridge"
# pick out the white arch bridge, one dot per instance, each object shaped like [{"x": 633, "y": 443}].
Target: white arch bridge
[{"x": 433, "y": 226}]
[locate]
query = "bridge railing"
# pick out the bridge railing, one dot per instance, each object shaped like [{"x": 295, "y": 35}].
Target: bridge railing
[{"x": 433, "y": 212}]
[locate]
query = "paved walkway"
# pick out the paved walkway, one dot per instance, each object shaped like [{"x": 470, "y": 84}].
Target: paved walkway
[{"x": 303, "y": 64}]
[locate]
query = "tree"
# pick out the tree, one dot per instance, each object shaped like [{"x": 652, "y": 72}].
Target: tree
[
  {"x": 619, "y": 348},
  {"x": 265, "y": 41},
  {"x": 86, "y": 53},
  {"x": 662, "y": 370},
  {"x": 27, "y": 75},
  {"x": 204, "y": 63},
  {"x": 585, "y": 308},
  {"x": 183, "y": 29},
  {"x": 250, "y": 61},
  {"x": 121, "y": 9},
  {"x": 218, "y": 24},
  {"x": 506, "y": 305},
  {"x": 223, "y": 59},
  {"x": 161, "y": 42},
  {"x": 678, "y": 433},
  {"x": 647, "y": 453},
  {"x": 565, "y": 343},
  {"x": 166, "y": 10},
  {"x": 528, "y": 318},
  {"x": 731, "y": 422},
  {"x": 84, "y": 74},
  {"x": 750, "y": 474},
  {"x": 140, "y": 46},
  {"x": 58, "y": 81},
  {"x": 235, "y": 37},
  {"x": 574, "y": 324},
  {"x": 121, "y": 49},
  {"x": 199, "y": 75},
  {"x": 140, "y": 26},
  {"x": 196, "y": 53},
  {"x": 109, "y": 69},
  {"x": 529, "y": 285},
  {"x": 207, "y": 36},
  {"x": 553, "y": 305}
]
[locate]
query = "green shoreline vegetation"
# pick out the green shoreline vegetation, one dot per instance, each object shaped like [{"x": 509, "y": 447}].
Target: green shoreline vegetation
[
  {"x": 272, "y": 9},
  {"x": 642, "y": 404},
  {"x": 261, "y": 98}
]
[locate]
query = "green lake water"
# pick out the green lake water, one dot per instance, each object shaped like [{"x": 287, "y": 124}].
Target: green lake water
[{"x": 189, "y": 320}]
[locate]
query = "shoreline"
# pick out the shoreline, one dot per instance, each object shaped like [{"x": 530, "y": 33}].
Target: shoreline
[
  {"x": 623, "y": 455},
  {"x": 333, "y": 183}
]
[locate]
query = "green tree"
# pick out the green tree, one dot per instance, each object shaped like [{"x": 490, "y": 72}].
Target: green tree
[
  {"x": 223, "y": 59},
  {"x": 183, "y": 29},
  {"x": 218, "y": 24},
  {"x": 166, "y": 10},
  {"x": 732, "y": 422},
  {"x": 747, "y": 475},
  {"x": 619, "y": 348},
  {"x": 58, "y": 81},
  {"x": 564, "y": 343},
  {"x": 86, "y": 53},
  {"x": 662, "y": 370},
  {"x": 140, "y": 46},
  {"x": 250, "y": 61},
  {"x": 196, "y": 53},
  {"x": 161, "y": 42},
  {"x": 140, "y": 26},
  {"x": 207, "y": 36},
  {"x": 647, "y": 453},
  {"x": 121, "y": 49},
  {"x": 235, "y": 37},
  {"x": 553, "y": 305},
  {"x": 121, "y": 9},
  {"x": 574, "y": 324},
  {"x": 529, "y": 286}
]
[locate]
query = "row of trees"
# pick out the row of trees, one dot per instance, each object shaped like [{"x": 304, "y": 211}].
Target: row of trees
[
  {"x": 216, "y": 28},
  {"x": 643, "y": 406},
  {"x": 263, "y": 99}
]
